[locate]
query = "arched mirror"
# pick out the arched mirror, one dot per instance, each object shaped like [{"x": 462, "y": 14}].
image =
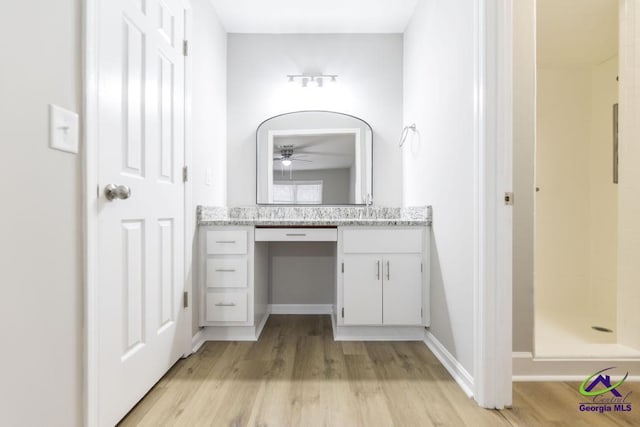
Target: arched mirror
[{"x": 314, "y": 158}]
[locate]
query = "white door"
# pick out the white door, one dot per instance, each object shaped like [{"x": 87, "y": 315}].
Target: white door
[
  {"x": 140, "y": 238},
  {"x": 362, "y": 290},
  {"x": 402, "y": 289}
]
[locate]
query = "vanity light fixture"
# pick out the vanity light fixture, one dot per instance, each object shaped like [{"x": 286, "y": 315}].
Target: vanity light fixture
[{"x": 313, "y": 79}]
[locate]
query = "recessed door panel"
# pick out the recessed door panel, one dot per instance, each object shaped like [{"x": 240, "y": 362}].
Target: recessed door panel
[
  {"x": 362, "y": 290},
  {"x": 167, "y": 268},
  {"x": 133, "y": 255},
  {"x": 166, "y": 117},
  {"x": 133, "y": 91},
  {"x": 402, "y": 289},
  {"x": 166, "y": 23}
]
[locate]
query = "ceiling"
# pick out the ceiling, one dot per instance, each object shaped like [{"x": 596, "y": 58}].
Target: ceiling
[
  {"x": 306, "y": 16},
  {"x": 576, "y": 33}
]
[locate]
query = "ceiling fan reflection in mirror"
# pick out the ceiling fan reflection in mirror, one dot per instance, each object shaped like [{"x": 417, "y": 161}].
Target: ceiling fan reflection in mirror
[{"x": 287, "y": 158}]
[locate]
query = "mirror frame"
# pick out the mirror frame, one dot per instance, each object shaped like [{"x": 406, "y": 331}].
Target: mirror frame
[{"x": 302, "y": 204}]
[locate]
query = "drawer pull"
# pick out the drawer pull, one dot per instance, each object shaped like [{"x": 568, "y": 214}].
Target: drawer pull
[
  {"x": 388, "y": 271},
  {"x": 296, "y": 234},
  {"x": 221, "y": 304},
  {"x": 226, "y": 270},
  {"x": 225, "y": 241},
  {"x": 378, "y": 268}
]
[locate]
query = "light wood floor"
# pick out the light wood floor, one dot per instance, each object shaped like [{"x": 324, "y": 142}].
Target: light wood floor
[{"x": 296, "y": 375}]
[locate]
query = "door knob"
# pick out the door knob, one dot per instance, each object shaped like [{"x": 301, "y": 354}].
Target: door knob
[{"x": 113, "y": 191}]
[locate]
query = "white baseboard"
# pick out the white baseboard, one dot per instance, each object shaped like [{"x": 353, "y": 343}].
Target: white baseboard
[
  {"x": 457, "y": 371},
  {"x": 377, "y": 333},
  {"x": 334, "y": 329},
  {"x": 229, "y": 333},
  {"x": 528, "y": 368},
  {"x": 301, "y": 308},
  {"x": 262, "y": 323},
  {"x": 196, "y": 342}
]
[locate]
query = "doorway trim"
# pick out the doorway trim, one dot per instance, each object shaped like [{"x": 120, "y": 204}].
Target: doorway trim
[
  {"x": 493, "y": 155},
  {"x": 90, "y": 212},
  {"x": 91, "y": 194}
]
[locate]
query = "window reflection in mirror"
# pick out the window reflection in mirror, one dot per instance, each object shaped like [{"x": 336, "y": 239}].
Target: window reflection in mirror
[{"x": 314, "y": 158}]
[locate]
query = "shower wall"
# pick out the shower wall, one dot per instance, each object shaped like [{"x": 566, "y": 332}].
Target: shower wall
[
  {"x": 629, "y": 186},
  {"x": 603, "y": 197},
  {"x": 562, "y": 220},
  {"x": 576, "y": 207}
]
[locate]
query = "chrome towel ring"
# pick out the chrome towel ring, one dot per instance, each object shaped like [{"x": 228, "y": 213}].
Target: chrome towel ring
[{"x": 405, "y": 132}]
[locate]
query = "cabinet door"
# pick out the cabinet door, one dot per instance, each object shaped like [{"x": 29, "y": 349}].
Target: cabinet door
[
  {"x": 402, "y": 289},
  {"x": 362, "y": 290}
]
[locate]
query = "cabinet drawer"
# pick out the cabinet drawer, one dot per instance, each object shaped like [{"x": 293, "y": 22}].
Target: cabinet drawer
[
  {"x": 227, "y": 272},
  {"x": 227, "y": 307},
  {"x": 387, "y": 240},
  {"x": 296, "y": 235},
  {"x": 227, "y": 242}
]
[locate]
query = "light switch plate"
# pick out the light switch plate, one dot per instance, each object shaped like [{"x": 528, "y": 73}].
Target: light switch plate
[
  {"x": 63, "y": 129},
  {"x": 208, "y": 180}
]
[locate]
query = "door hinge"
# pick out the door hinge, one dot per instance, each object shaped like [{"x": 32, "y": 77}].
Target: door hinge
[
  {"x": 185, "y": 47},
  {"x": 185, "y": 299},
  {"x": 508, "y": 199},
  {"x": 185, "y": 174},
  {"x": 421, "y": 313},
  {"x": 343, "y": 269},
  {"x": 343, "y": 312},
  {"x": 420, "y": 267}
]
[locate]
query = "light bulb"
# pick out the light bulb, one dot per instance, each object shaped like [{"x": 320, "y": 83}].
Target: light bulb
[
  {"x": 305, "y": 81},
  {"x": 286, "y": 162},
  {"x": 319, "y": 81}
]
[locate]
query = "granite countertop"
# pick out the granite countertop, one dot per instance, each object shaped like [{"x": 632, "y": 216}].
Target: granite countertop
[{"x": 312, "y": 216}]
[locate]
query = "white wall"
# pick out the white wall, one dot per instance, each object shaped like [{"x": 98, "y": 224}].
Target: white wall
[
  {"x": 209, "y": 56},
  {"x": 368, "y": 87},
  {"x": 40, "y": 220},
  {"x": 438, "y": 164},
  {"x": 302, "y": 273},
  {"x": 209, "y": 117},
  {"x": 524, "y": 101}
]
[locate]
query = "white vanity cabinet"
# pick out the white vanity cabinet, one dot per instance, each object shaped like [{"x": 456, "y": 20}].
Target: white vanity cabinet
[
  {"x": 383, "y": 276},
  {"x": 233, "y": 282},
  {"x": 381, "y": 287},
  {"x": 228, "y": 254}
]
